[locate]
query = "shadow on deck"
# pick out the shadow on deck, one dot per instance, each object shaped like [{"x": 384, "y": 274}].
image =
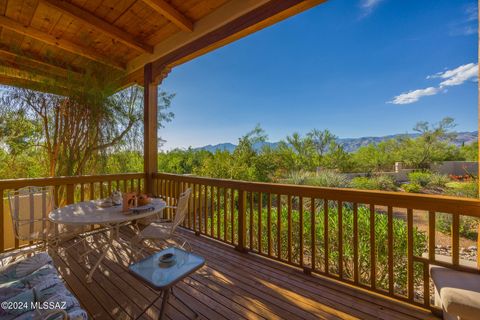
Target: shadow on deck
[{"x": 231, "y": 285}]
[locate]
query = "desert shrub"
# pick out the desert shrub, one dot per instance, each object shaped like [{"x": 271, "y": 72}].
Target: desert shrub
[
  {"x": 412, "y": 187},
  {"x": 293, "y": 229},
  {"x": 438, "y": 180},
  {"x": 363, "y": 224},
  {"x": 463, "y": 189},
  {"x": 468, "y": 225},
  {"x": 328, "y": 179},
  {"x": 421, "y": 178},
  {"x": 298, "y": 177},
  {"x": 381, "y": 182}
]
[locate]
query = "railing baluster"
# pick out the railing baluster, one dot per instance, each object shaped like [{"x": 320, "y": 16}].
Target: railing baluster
[
  {"x": 269, "y": 224},
  {"x": 70, "y": 193},
  {"x": 241, "y": 233},
  {"x": 101, "y": 189},
  {"x": 32, "y": 215},
  {"x": 426, "y": 285},
  {"x": 232, "y": 215},
  {"x": 92, "y": 191},
  {"x": 259, "y": 222},
  {"x": 455, "y": 239},
  {"x": 313, "y": 231},
  {"x": 82, "y": 192},
  {"x": 325, "y": 235},
  {"x": 431, "y": 236},
  {"x": 340, "y": 238},
  {"x": 225, "y": 214},
  {"x": 205, "y": 212},
  {"x": 212, "y": 212},
  {"x": 373, "y": 262},
  {"x": 279, "y": 226},
  {"x": 200, "y": 209},
  {"x": 289, "y": 230},
  {"x": 355, "y": 244},
  {"x": 250, "y": 222},
  {"x": 17, "y": 205},
  {"x": 218, "y": 213},
  {"x": 390, "y": 250},
  {"x": 410, "y": 279},
  {"x": 194, "y": 198},
  {"x": 300, "y": 206}
]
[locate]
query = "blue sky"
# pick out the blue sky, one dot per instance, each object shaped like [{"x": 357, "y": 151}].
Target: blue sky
[{"x": 355, "y": 67}]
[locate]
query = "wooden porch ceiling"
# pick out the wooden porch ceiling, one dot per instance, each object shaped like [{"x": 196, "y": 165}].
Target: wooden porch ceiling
[{"x": 48, "y": 39}]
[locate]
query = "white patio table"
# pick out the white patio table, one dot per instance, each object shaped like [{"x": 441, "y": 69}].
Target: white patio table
[{"x": 89, "y": 213}]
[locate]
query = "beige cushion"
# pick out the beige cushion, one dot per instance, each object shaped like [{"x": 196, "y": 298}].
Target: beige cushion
[{"x": 459, "y": 292}]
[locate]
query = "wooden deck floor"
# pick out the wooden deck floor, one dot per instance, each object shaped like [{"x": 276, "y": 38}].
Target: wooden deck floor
[{"x": 231, "y": 285}]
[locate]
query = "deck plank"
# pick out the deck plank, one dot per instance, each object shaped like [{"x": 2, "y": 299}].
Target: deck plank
[{"x": 232, "y": 285}]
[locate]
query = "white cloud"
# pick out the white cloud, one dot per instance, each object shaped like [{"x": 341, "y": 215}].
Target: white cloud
[
  {"x": 370, "y": 3},
  {"x": 368, "y": 6},
  {"x": 459, "y": 75},
  {"x": 468, "y": 24},
  {"x": 413, "y": 96},
  {"x": 453, "y": 77}
]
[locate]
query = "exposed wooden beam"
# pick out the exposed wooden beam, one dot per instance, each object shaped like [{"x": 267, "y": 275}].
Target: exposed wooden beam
[
  {"x": 224, "y": 14},
  {"x": 29, "y": 84},
  {"x": 31, "y": 75},
  {"x": 60, "y": 43},
  {"x": 36, "y": 63},
  {"x": 170, "y": 13},
  {"x": 99, "y": 24}
]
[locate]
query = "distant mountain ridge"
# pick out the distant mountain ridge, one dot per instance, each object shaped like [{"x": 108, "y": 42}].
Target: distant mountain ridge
[{"x": 350, "y": 144}]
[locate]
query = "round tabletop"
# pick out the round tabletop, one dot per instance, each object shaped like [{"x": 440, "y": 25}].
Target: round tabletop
[{"x": 85, "y": 213}]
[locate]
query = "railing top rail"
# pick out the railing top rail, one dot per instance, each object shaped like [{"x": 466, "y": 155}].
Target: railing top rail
[
  {"x": 54, "y": 181},
  {"x": 437, "y": 203}
]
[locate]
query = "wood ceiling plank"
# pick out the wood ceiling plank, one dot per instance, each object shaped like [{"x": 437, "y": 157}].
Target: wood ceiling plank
[
  {"x": 58, "y": 42},
  {"x": 172, "y": 14},
  {"x": 99, "y": 24},
  {"x": 36, "y": 63}
]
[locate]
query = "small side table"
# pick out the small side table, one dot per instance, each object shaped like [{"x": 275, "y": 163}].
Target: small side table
[{"x": 162, "y": 277}]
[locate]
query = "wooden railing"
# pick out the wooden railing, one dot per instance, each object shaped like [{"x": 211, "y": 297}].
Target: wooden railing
[
  {"x": 67, "y": 190},
  {"x": 379, "y": 241}
]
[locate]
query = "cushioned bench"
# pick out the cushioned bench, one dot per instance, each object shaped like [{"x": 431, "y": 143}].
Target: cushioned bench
[
  {"x": 36, "y": 280},
  {"x": 457, "y": 293}
]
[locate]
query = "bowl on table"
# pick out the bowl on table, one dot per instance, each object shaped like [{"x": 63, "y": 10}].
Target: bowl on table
[{"x": 167, "y": 258}]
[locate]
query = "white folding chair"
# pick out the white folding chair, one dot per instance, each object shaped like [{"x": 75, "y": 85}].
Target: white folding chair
[
  {"x": 29, "y": 209},
  {"x": 165, "y": 230}
]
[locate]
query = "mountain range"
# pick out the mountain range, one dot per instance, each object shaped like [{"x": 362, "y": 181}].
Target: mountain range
[{"x": 350, "y": 144}]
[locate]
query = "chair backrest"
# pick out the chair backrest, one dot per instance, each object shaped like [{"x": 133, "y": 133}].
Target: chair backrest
[
  {"x": 181, "y": 209},
  {"x": 29, "y": 207}
]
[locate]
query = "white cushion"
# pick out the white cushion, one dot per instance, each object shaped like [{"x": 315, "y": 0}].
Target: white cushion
[{"x": 459, "y": 292}]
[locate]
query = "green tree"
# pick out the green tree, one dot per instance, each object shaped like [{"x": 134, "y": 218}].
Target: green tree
[
  {"x": 78, "y": 129},
  {"x": 433, "y": 145},
  {"x": 298, "y": 153},
  {"x": 321, "y": 140},
  {"x": 469, "y": 152},
  {"x": 337, "y": 158},
  {"x": 376, "y": 157}
]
